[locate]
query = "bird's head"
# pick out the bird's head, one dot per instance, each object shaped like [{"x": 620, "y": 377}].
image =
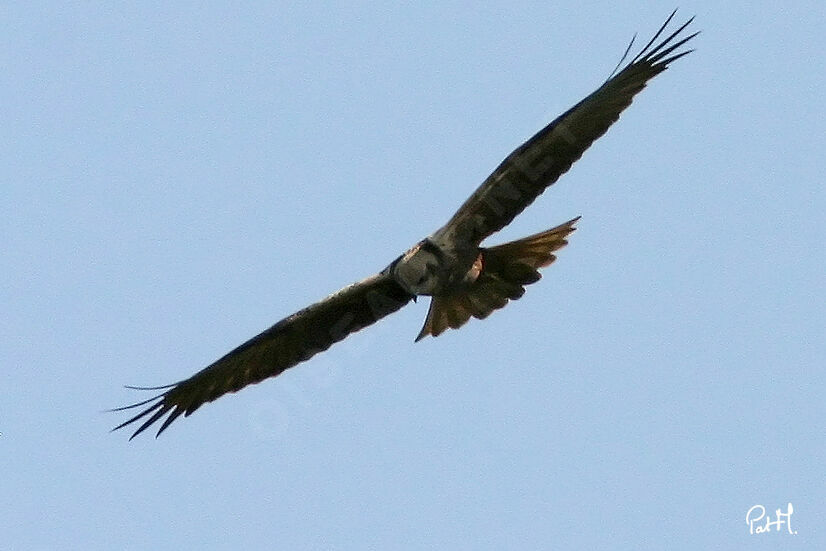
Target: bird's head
[{"x": 418, "y": 270}]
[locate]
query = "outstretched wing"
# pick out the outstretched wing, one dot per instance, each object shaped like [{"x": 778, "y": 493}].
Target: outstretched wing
[
  {"x": 540, "y": 161},
  {"x": 290, "y": 341}
]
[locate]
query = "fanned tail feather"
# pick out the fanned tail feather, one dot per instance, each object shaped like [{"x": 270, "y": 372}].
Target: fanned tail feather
[{"x": 506, "y": 269}]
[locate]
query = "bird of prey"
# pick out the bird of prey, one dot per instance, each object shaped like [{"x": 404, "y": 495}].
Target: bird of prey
[{"x": 463, "y": 278}]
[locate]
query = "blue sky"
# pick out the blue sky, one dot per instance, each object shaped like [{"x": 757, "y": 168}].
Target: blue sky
[{"x": 177, "y": 178}]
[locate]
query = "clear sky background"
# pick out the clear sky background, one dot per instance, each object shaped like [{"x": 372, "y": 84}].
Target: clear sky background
[{"x": 176, "y": 178}]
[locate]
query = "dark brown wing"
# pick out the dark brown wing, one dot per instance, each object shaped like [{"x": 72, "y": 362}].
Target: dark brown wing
[
  {"x": 540, "y": 161},
  {"x": 290, "y": 341}
]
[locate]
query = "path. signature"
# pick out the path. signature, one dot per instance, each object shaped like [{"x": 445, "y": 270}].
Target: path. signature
[{"x": 757, "y": 513}]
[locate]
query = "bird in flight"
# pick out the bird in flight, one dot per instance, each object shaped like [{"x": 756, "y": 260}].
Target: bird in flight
[{"x": 462, "y": 278}]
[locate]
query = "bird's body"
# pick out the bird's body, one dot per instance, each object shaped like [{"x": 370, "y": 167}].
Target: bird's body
[
  {"x": 432, "y": 268},
  {"x": 463, "y": 278}
]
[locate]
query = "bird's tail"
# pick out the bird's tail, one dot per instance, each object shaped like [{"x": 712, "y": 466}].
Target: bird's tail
[{"x": 505, "y": 270}]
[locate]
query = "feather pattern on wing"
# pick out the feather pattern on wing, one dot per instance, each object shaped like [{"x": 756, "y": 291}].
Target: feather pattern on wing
[
  {"x": 540, "y": 161},
  {"x": 292, "y": 340}
]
